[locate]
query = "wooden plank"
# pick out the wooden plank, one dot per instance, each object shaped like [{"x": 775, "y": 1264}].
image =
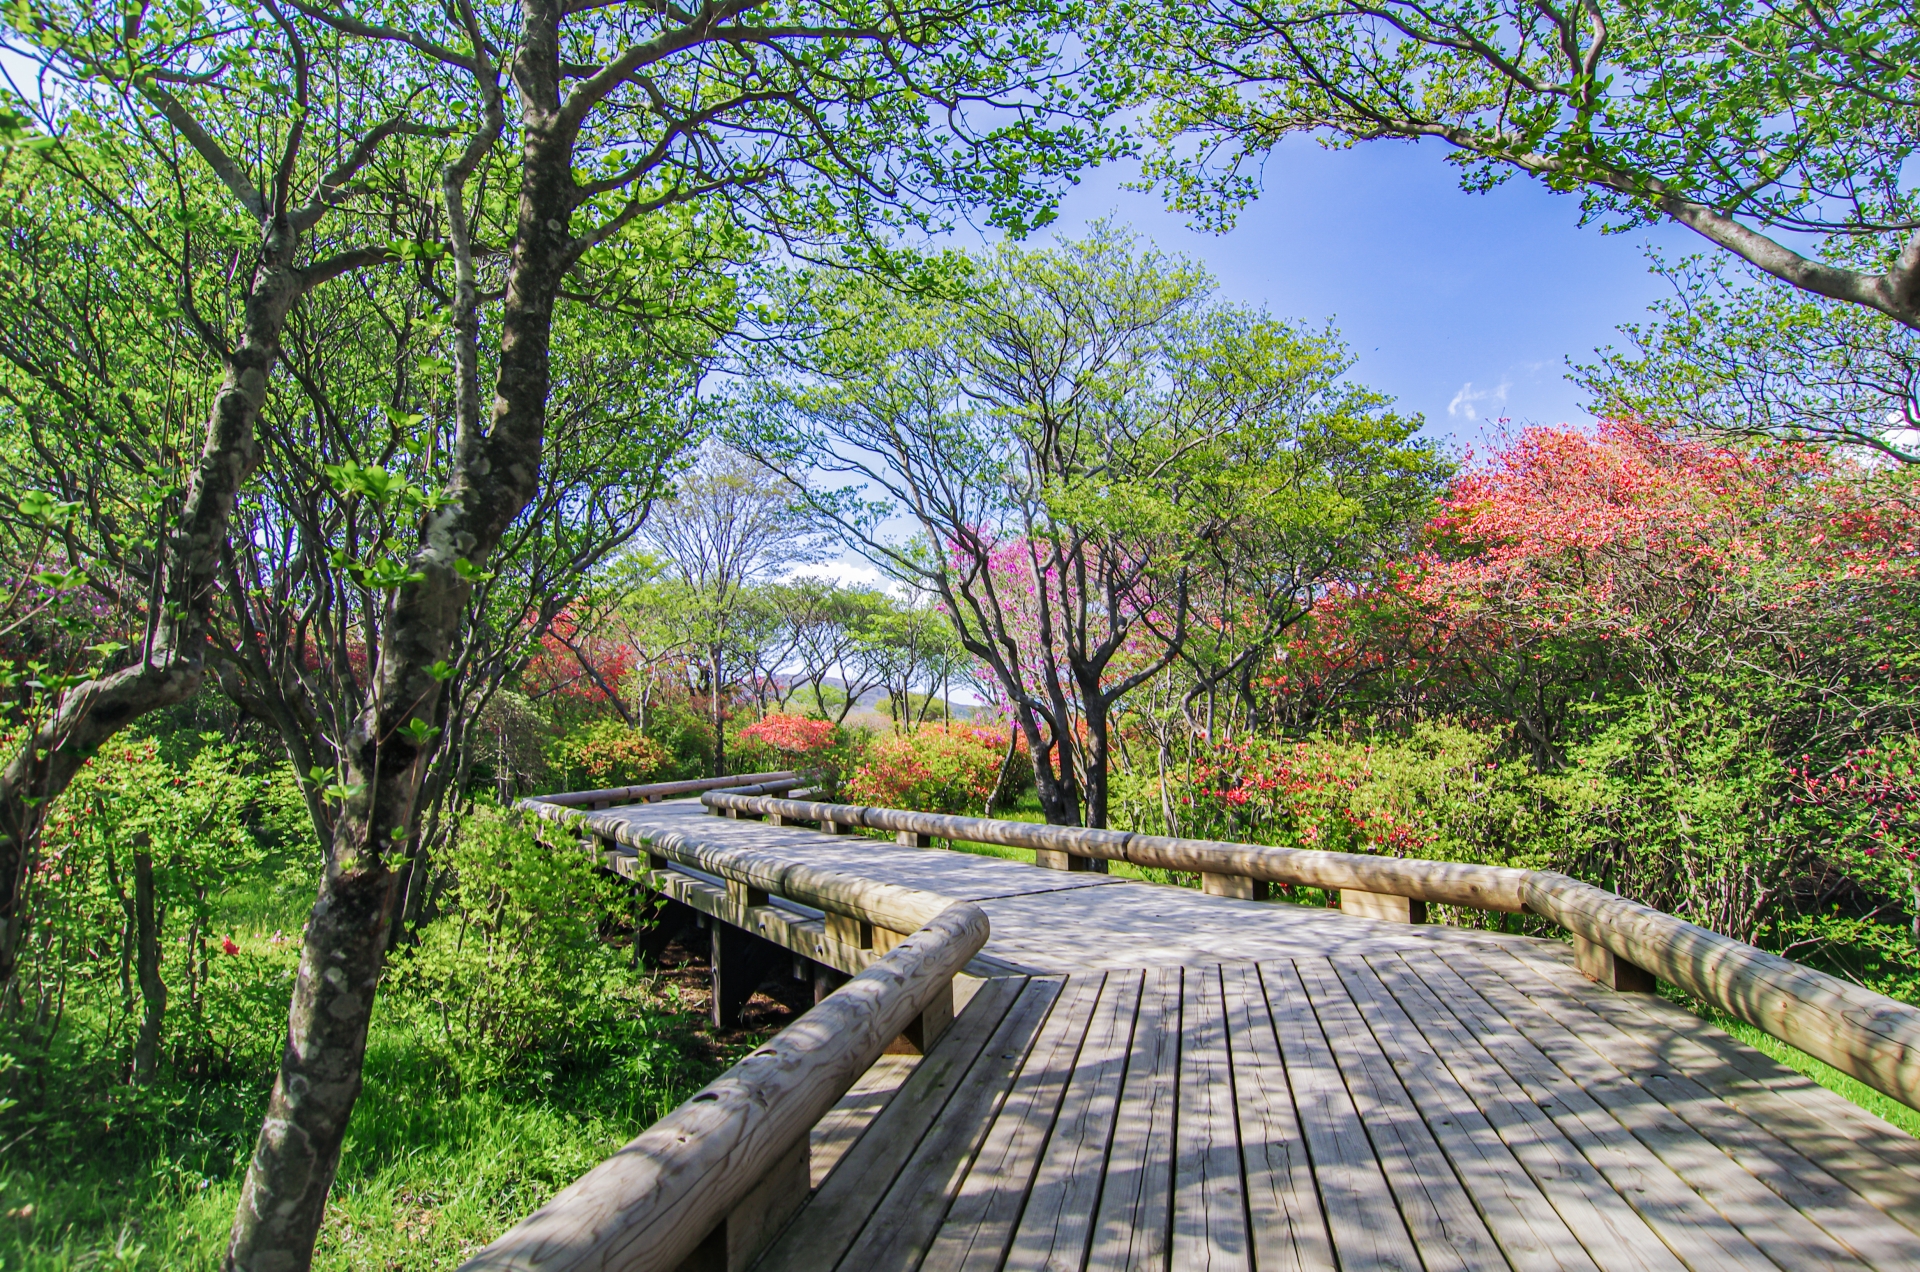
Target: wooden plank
[
  {"x": 1521, "y": 1219},
  {"x": 1130, "y": 1227},
  {"x": 1600, "y": 1219},
  {"x": 1779, "y": 1230},
  {"x": 1702, "y": 1239},
  {"x": 846, "y": 1198},
  {"x": 1209, "y": 1196},
  {"x": 1796, "y": 1179},
  {"x": 980, "y": 1222},
  {"x": 899, "y": 1229},
  {"x": 1874, "y": 1158},
  {"x": 1446, "y": 1228},
  {"x": 1288, "y": 1231},
  {"x": 1058, "y": 1221},
  {"x": 846, "y": 1121},
  {"x": 1362, "y": 1219}
]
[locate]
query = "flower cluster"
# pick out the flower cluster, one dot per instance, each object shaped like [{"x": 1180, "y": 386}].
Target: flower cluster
[{"x": 791, "y": 734}]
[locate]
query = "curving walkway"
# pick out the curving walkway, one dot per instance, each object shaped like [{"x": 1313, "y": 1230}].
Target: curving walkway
[{"x": 1146, "y": 1077}]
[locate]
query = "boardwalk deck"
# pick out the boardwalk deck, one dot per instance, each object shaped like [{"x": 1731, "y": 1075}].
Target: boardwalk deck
[{"x": 1149, "y": 1077}]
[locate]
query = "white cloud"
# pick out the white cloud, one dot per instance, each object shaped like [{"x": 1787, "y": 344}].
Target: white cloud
[
  {"x": 848, "y": 572},
  {"x": 1463, "y": 401}
]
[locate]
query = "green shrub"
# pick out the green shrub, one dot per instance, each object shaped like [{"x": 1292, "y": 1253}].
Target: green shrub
[{"x": 515, "y": 973}]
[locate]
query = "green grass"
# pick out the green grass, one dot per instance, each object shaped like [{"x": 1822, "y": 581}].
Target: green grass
[{"x": 104, "y": 1176}]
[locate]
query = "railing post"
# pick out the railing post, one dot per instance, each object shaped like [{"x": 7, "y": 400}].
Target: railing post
[
  {"x": 1059, "y": 859},
  {"x": 1382, "y": 906},
  {"x": 1239, "y": 887},
  {"x": 925, "y": 1029},
  {"x": 1598, "y": 963},
  {"x": 914, "y": 839},
  {"x": 836, "y": 828},
  {"x": 751, "y": 1226}
]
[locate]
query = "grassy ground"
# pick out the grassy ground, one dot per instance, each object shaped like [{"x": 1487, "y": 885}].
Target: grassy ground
[{"x": 114, "y": 1178}]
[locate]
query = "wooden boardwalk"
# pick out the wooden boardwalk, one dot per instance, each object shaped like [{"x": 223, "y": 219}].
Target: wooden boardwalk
[{"x": 1145, "y": 1077}]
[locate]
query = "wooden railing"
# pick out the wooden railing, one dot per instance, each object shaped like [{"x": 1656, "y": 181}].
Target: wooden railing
[
  {"x": 650, "y": 792},
  {"x": 711, "y": 1183},
  {"x": 1618, "y": 942}
]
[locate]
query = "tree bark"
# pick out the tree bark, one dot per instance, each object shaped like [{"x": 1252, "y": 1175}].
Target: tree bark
[
  {"x": 496, "y": 472},
  {"x": 153, "y": 990},
  {"x": 171, "y": 665}
]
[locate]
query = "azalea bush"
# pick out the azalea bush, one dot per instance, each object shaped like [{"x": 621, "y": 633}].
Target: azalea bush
[
  {"x": 780, "y": 740},
  {"x": 607, "y": 753},
  {"x": 937, "y": 768},
  {"x": 1442, "y": 791},
  {"x": 179, "y": 826}
]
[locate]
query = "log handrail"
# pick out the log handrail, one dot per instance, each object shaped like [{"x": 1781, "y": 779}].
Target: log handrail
[
  {"x": 650, "y": 1205},
  {"x": 1867, "y": 1036},
  {"x": 1443, "y": 882},
  {"x": 660, "y": 790},
  {"x": 885, "y": 905}
]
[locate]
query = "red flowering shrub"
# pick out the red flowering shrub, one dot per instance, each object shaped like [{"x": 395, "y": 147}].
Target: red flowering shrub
[
  {"x": 937, "y": 768},
  {"x": 791, "y": 734}
]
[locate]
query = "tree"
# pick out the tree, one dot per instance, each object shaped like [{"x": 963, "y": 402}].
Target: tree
[
  {"x": 729, "y": 526},
  {"x": 1080, "y": 435},
  {"x": 1755, "y": 125},
  {"x": 1730, "y": 357},
  {"x": 827, "y": 625},
  {"x": 222, "y": 211},
  {"x": 822, "y": 123},
  {"x": 351, "y": 447}
]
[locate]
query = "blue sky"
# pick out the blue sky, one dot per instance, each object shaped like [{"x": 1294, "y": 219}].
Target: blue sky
[{"x": 1463, "y": 306}]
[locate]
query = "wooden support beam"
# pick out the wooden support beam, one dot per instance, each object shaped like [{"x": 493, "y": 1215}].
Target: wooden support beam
[
  {"x": 744, "y": 895},
  {"x": 914, "y": 839},
  {"x": 1237, "y": 886},
  {"x": 825, "y": 981},
  {"x": 848, "y": 930},
  {"x": 1598, "y": 963},
  {"x": 737, "y": 963},
  {"x": 1383, "y": 906},
  {"x": 836, "y": 828},
  {"x": 757, "y": 1219}
]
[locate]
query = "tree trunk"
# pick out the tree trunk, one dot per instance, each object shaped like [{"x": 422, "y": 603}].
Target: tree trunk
[
  {"x": 171, "y": 663},
  {"x": 1097, "y": 758},
  {"x": 153, "y": 990},
  {"x": 719, "y": 718},
  {"x": 999, "y": 791},
  {"x": 496, "y": 472}
]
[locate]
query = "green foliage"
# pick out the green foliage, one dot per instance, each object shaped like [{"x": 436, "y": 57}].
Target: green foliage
[
  {"x": 515, "y": 973},
  {"x": 1736, "y": 120},
  {"x": 212, "y": 818}
]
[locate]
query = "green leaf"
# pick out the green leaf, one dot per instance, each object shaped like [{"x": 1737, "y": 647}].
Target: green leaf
[{"x": 417, "y": 731}]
